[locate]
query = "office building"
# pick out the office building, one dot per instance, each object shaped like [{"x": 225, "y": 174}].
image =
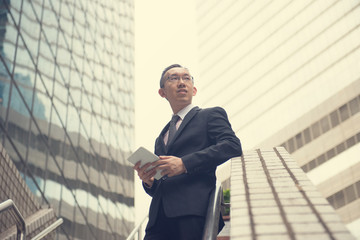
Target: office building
[
  {"x": 288, "y": 74},
  {"x": 67, "y": 109}
]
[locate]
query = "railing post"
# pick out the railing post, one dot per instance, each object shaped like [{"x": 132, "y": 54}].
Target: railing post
[
  {"x": 138, "y": 230},
  {"x": 48, "y": 230},
  {"x": 213, "y": 214},
  {"x": 19, "y": 219}
]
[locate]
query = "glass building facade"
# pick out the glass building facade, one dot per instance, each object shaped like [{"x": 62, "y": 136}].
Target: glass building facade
[{"x": 67, "y": 109}]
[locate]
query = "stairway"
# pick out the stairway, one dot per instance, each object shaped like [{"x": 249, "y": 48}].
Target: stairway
[{"x": 12, "y": 186}]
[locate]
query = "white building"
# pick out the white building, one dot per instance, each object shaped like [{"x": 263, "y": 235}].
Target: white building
[{"x": 288, "y": 73}]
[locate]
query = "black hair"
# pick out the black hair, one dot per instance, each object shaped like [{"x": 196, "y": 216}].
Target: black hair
[{"x": 162, "y": 81}]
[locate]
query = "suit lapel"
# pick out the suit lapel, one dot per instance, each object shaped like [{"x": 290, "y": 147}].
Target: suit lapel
[{"x": 186, "y": 120}]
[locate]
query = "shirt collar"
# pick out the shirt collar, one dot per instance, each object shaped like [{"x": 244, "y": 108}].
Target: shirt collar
[{"x": 182, "y": 113}]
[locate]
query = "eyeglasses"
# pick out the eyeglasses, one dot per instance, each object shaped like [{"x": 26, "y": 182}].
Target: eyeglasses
[{"x": 175, "y": 78}]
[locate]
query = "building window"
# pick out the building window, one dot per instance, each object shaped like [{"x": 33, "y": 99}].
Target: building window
[
  {"x": 330, "y": 154},
  {"x": 340, "y": 148},
  {"x": 334, "y": 118},
  {"x": 325, "y": 125},
  {"x": 357, "y": 185},
  {"x": 350, "y": 194},
  {"x": 354, "y": 106},
  {"x": 299, "y": 141},
  {"x": 344, "y": 112},
  {"x": 321, "y": 159},
  {"x": 291, "y": 145},
  {"x": 315, "y": 129},
  {"x": 350, "y": 142},
  {"x": 339, "y": 199},
  {"x": 307, "y": 135},
  {"x": 345, "y": 196},
  {"x": 312, "y": 164}
]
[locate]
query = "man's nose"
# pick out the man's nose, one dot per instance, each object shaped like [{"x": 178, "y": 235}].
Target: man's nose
[{"x": 181, "y": 82}]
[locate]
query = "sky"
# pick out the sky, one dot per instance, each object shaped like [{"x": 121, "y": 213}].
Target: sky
[{"x": 165, "y": 33}]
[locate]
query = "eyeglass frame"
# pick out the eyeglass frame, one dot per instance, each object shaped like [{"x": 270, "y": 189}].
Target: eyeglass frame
[{"x": 177, "y": 79}]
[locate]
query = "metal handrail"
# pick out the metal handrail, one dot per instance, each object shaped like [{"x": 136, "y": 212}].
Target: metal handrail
[
  {"x": 20, "y": 221},
  {"x": 137, "y": 230},
  {"x": 49, "y": 229},
  {"x": 213, "y": 214}
]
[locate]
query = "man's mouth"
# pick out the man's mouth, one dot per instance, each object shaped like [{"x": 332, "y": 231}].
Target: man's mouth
[{"x": 182, "y": 91}]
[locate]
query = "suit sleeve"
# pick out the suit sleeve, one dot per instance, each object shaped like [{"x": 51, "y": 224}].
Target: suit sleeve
[
  {"x": 150, "y": 190},
  {"x": 224, "y": 144}
]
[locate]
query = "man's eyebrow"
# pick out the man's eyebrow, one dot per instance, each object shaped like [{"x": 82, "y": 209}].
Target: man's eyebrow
[{"x": 175, "y": 74}]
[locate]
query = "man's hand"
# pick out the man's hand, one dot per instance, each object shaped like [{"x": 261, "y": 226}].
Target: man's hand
[
  {"x": 147, "y": 176},
  {"x": 170, "y": 166}
]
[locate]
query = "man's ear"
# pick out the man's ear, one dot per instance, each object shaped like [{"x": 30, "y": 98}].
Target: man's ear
[
  {"x": 162, "y": 93},
  {"x": 194, "y": 91}
]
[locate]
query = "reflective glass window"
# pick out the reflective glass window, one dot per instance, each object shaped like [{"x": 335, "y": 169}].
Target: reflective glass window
[
  {"x": 299, "y": 140},
  {"x": 339, "y": 199},
  {"x": 350, "y": 193},
  {"x": 350, "y": 142},
  {"x": 330, "y": 154},
  {"x": 334, "y": 117},
  {"x": 291, "y": 145},
  {"x": 344, "y": 112},
  {"x": 315, "y": 129},
  {"x": 321, "y": 159},
  {"x": 307, "y": 135},
  {"x": 325, "y": 125}
]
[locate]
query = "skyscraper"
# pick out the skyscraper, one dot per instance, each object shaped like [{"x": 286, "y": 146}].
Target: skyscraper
[
  {"x": 288, "y": 74},
  {"x": 67, "y": 109}
]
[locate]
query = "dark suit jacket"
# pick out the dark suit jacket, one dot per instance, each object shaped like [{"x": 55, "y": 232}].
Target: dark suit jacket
[{"x": 204, "y": 140}]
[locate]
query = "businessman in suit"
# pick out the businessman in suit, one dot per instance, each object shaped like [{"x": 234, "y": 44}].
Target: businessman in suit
[{"x": 190, "y": 148}]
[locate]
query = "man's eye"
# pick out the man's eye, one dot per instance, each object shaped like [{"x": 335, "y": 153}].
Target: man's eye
[
  {"x": 174, "y": 78},
  {"x": 187, "y": 78}
]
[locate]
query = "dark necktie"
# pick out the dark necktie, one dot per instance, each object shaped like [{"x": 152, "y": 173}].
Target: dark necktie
[{"x": 172, "y": 127}]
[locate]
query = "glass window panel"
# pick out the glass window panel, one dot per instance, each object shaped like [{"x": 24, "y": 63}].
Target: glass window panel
[
  {"x": 312, "y": 164},
  {"x": 321, "y": 159},
  {"x": 344, "y": 112},
  {"x": 299, "y": 141},
  {"x": 357, "y": 185},
  {"x": 358, "y": 137},
  {"x": 354, "y": 106},
  {"x": 60, "y": 111},
  {"x": 350, "y": 193},
  {"x": 330, "y": 154},
  {"x": 30, "y": 29},
  {"x": 36, "y": 6},
  {"x": 73, "y": 121},
  {"x": 15, "y": 7},
  {"x": 334, "y": 117},
  {"x": 340, "y": 148},
  {"x": 42, "y": 103},
  {"x": 315, "y": 129},
  {"x": 291, "y": 145},
  {"x": 350, "y": 142},
  {"x": 307, "y": 135},
  {"x": 331, "y": 201},
  {"x": 325, "y": 125},
  {"x": 339, "y": 199},
  {"x": 305, "y": 168},
  {"x": 63, "y": 58}
]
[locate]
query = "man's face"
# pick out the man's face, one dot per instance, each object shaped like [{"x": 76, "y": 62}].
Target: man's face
[{"x": 178, "y": 88}]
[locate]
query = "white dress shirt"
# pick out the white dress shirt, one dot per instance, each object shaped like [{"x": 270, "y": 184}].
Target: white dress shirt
[{"x": 182, "y": 113}]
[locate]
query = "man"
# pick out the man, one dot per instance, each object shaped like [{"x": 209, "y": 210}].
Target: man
[{"x": 187, "y": 159}]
